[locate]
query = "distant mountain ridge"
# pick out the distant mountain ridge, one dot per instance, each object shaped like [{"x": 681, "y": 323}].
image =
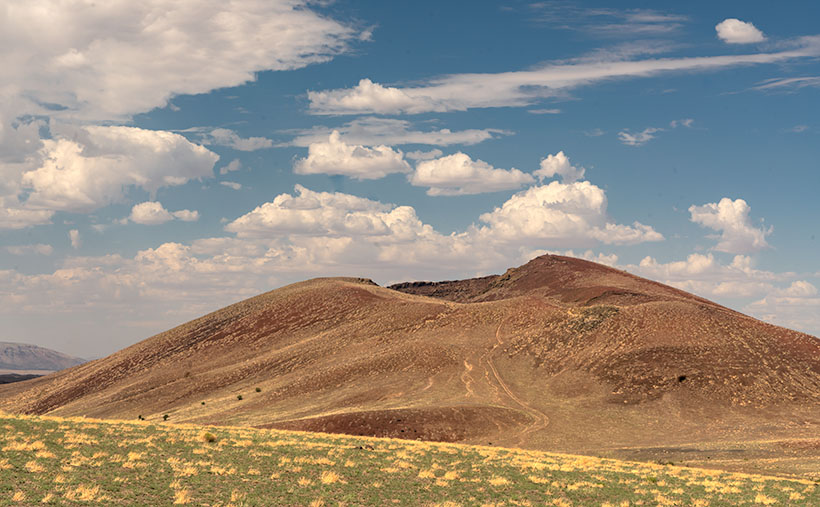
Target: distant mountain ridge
[{"x": 22, "y": 356}]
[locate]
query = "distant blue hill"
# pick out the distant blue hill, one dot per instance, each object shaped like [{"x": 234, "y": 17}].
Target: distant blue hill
[{"x": 22, "y": 356}]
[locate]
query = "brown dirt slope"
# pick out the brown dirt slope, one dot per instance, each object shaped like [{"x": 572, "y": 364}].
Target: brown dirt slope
[{"x": 558, "y": 354}]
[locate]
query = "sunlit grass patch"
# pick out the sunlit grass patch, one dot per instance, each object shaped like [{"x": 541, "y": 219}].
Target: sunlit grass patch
[
  {"x": 84, "y": 493},
  {"x": 498, "y": 481},
  {"x": 329, "y": 477},
  {"x": 25, "y": 446},
  {"x": 34, "y": 467},
  {"x": 143, "y": 463},
  {"x": 182, "y": 496}
]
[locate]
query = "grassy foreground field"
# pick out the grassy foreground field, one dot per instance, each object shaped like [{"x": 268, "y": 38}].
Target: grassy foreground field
[{"x": 48, "y": 460}]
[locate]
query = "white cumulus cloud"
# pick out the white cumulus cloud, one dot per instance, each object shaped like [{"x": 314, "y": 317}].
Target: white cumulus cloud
[
  {"x": 798, "y": 289},
  {"x": 796, "y": 306},
  {"x": 731, "y": 219},
  {"x": 561, "y": 215},
  {"x": 119, "y": 58},
  {"x": 322, "y": 213},
  {"x": 458, "y": 174},
  {"x": 154, "y": 213},
  {"x": 372, "y": 97},
  {"x": 13, "y": 217},
  {"x": 705, "y": 275},
  {"x": 559, "y": 165},
  {"x": 735, "y": 31},
  {"x": 95, "y": 167},
  {"x": 334, "y": 156},
  {"x": 74, "y": 62}
]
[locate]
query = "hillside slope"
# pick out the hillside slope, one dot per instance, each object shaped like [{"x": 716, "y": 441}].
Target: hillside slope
[{"x": 557, "y": 354}]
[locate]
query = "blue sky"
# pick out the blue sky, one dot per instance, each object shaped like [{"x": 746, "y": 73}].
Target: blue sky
[{"x": 160, "y": 161}]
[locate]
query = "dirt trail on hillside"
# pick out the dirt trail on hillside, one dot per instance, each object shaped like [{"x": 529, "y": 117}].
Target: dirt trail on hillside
[
  {"x": 540, "y": 419},
  {"x": 467, "y": 379}
]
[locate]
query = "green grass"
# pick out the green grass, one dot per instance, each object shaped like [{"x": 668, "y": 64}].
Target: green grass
[{"x": 55, "y": 461}]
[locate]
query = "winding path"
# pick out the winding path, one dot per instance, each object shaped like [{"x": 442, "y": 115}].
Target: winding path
[
  {"x": 467, "y": 379},
  {"x": 540, "y": 419}
]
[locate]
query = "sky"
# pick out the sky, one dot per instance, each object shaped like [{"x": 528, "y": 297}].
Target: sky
[{"x": 160, "y": 160}]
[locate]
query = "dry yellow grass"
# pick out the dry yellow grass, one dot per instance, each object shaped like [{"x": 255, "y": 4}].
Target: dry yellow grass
[
  {"x": 182, "y": 496},
  {"x": 498, "y": 481},
  {"x": 329, "y": 477},
  {"x": 765, "y": 500},
  {"x": 34, "y": 467},
  {"x": 450, "y": 475},
  {"x": 313, "y": 467},
  {"x": 426, "y": 474},
  {"x": 83, "y": 493},
  {"x": 24, "y": 446}
]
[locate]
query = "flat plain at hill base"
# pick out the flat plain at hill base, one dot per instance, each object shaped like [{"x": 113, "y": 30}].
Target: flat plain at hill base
[{"x": 54, "y": 461}]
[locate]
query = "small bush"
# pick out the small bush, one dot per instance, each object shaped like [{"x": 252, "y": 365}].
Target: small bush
[
  {"x": 258, "y": 389},
  {"x": 209, "y": 437},
  {"x": 239, "y": 397},
  {"x": 165, "y": 417},
  {"x": 203, "y": 402}
]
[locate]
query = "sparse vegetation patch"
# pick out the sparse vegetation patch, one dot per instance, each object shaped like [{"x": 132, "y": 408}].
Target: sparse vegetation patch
[{"x": 76, "y": 461}]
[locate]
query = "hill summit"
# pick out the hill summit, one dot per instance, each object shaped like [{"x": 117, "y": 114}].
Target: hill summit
[{"x": 557, "y": 354}]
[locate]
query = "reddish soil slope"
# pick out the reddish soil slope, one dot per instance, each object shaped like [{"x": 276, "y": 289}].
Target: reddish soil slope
[{"x": 558, "y": 354}]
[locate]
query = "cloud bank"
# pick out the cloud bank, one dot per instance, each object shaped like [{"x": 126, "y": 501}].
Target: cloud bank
[{"x": 76, "y": 67}]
